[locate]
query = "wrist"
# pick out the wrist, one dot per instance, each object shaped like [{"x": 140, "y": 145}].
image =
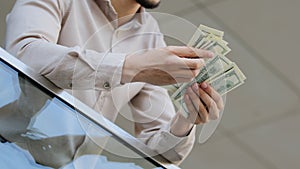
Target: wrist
[
  {"x": 181, "y": 127},
  {"x": 128, "y": 73}
]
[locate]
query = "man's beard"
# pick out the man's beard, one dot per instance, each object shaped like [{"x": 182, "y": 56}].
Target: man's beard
[{"x": 148, "y": 4}]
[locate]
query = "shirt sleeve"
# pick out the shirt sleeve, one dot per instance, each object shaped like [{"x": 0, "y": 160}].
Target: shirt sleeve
[
  {"x": 153, "y": 113},
  {"x": 33, "y": 29}
]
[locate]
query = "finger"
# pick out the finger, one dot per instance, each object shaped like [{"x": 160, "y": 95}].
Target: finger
[
  {"x": 210, "y": 104},
  {"x": 198, "y": 103},
  {"x": 193, "y": 113},
  {"x": 175, "y": 63},
  {"x": 213, "y": 94},
  {"x": 192, "y": 64},
  {"x": 188, "y": 74},
  {"x": 190, "y": 52},
  {"x": 182, "y": 75},
  {"x": 202, "y": 53},
  {"x": 184, "y": 66}
]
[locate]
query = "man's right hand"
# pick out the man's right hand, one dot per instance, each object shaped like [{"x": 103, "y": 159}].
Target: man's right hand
[{"x": 164, "y": 66}]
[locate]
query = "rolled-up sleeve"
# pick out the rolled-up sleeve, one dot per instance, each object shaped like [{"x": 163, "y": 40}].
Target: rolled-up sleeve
[
  {"x": 33, "y": 29},
  {"x": 153, "y": 113}
]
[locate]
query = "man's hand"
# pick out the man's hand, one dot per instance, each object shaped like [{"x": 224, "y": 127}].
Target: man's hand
[
  {"x": 164, "y": 66},
  {"x": 203, "y": 104}
]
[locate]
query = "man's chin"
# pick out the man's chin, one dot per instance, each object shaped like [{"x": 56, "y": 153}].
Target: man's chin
[{"x": 149, "y": 4}]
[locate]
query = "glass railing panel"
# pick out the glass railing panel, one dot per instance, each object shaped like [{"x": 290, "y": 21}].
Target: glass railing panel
[{"x": 40, "y": 129}]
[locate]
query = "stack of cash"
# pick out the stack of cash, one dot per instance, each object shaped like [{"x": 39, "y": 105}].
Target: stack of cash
[{"x": 221, "y": 73}]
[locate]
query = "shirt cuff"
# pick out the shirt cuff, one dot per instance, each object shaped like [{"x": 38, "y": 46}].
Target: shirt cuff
[
  {"x": 175, "y": 148},
  {"x": 108, "y": 70},
  {"x": 88, "y": 69},
  {"x": 175, "y": 140}
]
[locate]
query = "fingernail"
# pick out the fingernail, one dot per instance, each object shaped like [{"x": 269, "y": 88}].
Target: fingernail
[
  {"x": 186, "y": 97},
  {"x": 211, "y": 54},
  {"x": 204, "y": 85},
  {"x": 189, "y": 90},
  {"x": 195, "y": 87}
]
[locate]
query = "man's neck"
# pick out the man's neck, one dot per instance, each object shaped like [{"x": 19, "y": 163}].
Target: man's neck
[{"x": 125, "y": 9}]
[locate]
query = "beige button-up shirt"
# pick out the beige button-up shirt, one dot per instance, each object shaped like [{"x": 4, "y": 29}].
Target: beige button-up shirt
[{"x": 77, "y": 45}]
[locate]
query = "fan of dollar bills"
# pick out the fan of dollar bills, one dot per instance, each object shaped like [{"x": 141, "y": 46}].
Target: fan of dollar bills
[{"x": 221, "y": 73}]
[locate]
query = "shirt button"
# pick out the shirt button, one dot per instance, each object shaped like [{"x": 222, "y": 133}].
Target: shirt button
[{"x": 106, "y": 85}]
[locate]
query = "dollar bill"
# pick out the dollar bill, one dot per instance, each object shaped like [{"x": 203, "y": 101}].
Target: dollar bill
[
  {"x": 228, "y": 81},
  {"x": 224, "y": 83},
  {"x": 213, "y": 67},
  {"x": 219, "y": 46},
  {"x": 196, "y": 38},
  {"x": 209, "y": 39},
  {"x": 204, "y": 35},
  {"x": 221, "y": 73},
  {"x": 210, "y": 30}
]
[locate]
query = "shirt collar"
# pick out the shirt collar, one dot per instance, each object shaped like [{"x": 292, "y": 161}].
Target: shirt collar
[{"x": 111, "y": 14}]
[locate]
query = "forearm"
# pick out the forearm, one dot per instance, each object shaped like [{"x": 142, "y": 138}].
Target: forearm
[{"x": 72, "y": 67}]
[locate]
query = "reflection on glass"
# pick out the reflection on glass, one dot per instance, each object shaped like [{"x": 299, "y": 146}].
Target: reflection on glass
[
  {"x": 43, "y": 132},
  {"x": 9, "y": 85},
  {"x": 12, "y": 156},
  {"x": 55, "y": 119},
  {"x": 23, "y": 159}
]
